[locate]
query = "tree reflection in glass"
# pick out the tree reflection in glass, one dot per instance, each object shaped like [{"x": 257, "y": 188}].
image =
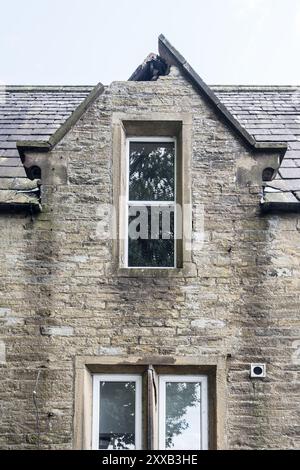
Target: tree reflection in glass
[
  {"x": 151, "y": 171},
  {"x": 183, "y": 415},
  {"x": 117, "y": 415},
  {"x": 151, "y": 236}
]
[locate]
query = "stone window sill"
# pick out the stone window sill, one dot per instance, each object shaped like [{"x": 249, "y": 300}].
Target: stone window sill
[{"x": 188, "y": 270}]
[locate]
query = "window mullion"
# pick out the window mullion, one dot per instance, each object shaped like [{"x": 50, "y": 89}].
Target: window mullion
[{"x": 152, "y": 415}]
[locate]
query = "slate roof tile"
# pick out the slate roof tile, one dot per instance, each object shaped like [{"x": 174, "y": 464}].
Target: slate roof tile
[{"x": 289, "y": 173}]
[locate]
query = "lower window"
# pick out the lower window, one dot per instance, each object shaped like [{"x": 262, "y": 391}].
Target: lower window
[
  {"x": 122, "y": 403},
  {"x": 182, "y": 412},
  {"x": 117, "y": 414}
]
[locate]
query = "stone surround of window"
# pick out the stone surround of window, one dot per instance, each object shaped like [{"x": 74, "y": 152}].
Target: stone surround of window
[
  {"x": 213, "y": 367},
  {"x": 153, "y": 125}
]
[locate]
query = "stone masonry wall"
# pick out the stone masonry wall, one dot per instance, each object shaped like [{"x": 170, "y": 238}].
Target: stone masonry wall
[{"x": 60, "y": 296}]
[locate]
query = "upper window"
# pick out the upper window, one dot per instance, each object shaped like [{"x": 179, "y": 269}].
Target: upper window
[{"x": 151, "y": 203}]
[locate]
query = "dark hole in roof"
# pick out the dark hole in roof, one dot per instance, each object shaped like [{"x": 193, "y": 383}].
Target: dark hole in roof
[
  {"x": 34, "y": 173},
  {"x": 268, "y": 174},
  {"x": 153, "y": 67}
]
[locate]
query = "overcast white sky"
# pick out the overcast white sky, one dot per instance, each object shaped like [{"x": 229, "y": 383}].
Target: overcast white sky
[{"x": 87, "y": 41}]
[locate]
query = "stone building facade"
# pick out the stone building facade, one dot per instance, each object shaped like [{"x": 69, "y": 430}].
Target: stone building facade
[{"x": 70, "y": 308}]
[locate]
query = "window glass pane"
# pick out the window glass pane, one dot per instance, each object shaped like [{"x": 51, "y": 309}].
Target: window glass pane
[
  {"x": 183, "y": 415},
  {"x": 151, "y": 171},
  {"x": 151, "y": 236},
  {"x": 117, "y": 415}
]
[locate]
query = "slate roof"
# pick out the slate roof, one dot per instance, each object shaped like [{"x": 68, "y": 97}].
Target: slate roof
[
  {"x": 32, "y": 113},
  {"x": 269, "y": 114}
]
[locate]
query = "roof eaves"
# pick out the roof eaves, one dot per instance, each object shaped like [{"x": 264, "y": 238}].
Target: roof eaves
[
  {"x": 172, "y": 56},
  {"x": 29, "y": 206},
  {"x": 277, "y": 207},
  {"x": 21, "y": 199}
]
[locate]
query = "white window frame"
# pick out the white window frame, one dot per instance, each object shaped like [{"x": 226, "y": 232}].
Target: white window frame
[
  {"x": 163, "y": 379},
  {"x": 149, "y": 203},
  {"x": 97, "y": 378}
]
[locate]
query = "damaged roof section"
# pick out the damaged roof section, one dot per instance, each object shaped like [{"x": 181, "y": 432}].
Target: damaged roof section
[{"x": 151, "y": 69}]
